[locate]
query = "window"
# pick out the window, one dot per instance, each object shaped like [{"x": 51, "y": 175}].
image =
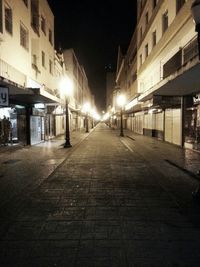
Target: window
[
  {"x": 140, "y": 33},
  {"x": 43, "y": 25},
  {"x": 34, "y": 60},
  {"x": 146, "y": 50},
  {"x": 154, "y": 38},
  {"x": 141, "y": 60},
  {"x": 25, "y": 2},
  {"x": 165, "y": 21},
  {"x": 43, "y": 59},
  {"x": 1, "y": 17},
  {"x": 35, "y": 15},
  {"x": 179, "y": 4},
  {"x": 154, "y": 3},
  {"x": 8, "y": 19},
  {"x": 50, "y": 36},
  {"x": 50, "y": 66},
  {"x": 23, "y": 36},
  {"x": 146, "y": 18}
]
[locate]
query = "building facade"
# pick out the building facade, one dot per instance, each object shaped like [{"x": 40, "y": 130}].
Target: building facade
[
  {"x": 81, "y": 92},
  {"x": 168, "y": 83},
  {"x": 31, "y": 72}
]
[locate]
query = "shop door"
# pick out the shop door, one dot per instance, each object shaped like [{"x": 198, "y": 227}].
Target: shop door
[
  {"x": 36, "y": 129},
  {"x": 21, "y": 129}
]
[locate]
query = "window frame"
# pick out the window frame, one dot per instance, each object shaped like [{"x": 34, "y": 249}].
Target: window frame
[
  {"x": 24, "y": 36},
  {"x": 50, "y": 37},
  {"x": 165, "y": 21},
  {"x": 43, "y": 59},
  {"x": 146, "y": 18},
  {"x": 179, "y": 5},
  {"x": 154, "y": 4},
  {"x": 50, "y": 66},
  {"x": 154, "y": 38},
  {"x": 8, "y": 19},
  {"x": 146, "y": 48},
  {"x": 43, "y": 24},
  {"x": 25, "y": 2},
  {"x": 140, "y": 60}
]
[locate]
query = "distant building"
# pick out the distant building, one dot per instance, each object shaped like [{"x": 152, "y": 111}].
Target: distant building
[{"x": 82, "y": 92}]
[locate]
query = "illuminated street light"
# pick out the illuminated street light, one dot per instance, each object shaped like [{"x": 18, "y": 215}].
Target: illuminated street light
[
  {"x": 121, "y": 100},
  {"x": 66, "y": 89},
  {"x": 195, "y": 10},
  {"x": 86, "y": 110},
  {"x": 95, "y": 117}
]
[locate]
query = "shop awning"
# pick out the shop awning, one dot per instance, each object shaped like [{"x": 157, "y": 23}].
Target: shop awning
[{"x": 24, "y": 96}]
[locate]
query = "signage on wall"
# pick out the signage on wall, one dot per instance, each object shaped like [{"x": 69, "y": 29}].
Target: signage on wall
[
  {"x": 4, "y": 96},
  {"x": 196, "y": 99}
]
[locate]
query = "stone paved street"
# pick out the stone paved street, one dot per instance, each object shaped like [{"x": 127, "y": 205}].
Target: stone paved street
[{"x": 107, "y": 202}]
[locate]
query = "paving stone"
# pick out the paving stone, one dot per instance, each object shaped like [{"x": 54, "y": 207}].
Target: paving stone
[{"x": 103, "y": 205}]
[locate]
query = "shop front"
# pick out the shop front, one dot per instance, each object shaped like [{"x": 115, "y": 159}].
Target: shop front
[
  {"x": 192, "y": 122},
  {"x": 25, "y": 110}
]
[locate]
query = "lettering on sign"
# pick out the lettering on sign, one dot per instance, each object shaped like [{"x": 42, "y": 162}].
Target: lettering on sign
[{"x": 3, "y": 96}]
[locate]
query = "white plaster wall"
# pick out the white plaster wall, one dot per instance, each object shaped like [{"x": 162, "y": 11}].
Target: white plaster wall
[
  {"x": 179, "y": 33},
  {"x": 18, "y": 57}
]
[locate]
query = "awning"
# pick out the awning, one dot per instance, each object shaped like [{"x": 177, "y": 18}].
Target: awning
[{"x": 24, "y": 96}]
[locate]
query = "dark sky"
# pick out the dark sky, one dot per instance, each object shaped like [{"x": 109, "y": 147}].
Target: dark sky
[{"x": 94, "y": 29}]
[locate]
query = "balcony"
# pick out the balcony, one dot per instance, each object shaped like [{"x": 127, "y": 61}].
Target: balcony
[
  {"x": 11, "y": 74},
  {"x": 178, "y": 76}
]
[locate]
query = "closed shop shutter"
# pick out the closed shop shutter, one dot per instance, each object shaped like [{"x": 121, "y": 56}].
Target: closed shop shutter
[
  {"x": 173, "y": 126},
  {"x": 159, "y": 121},
  {"x": 176, "y": 135}
]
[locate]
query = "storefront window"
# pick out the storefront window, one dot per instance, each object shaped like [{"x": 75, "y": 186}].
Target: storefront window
[{"x": 192, "y": 123}]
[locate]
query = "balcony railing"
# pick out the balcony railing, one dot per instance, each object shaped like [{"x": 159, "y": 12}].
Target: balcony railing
[
  {"x": 181, "y": 58},
  {"x": 10, "y": 73},
  {"x": 190, "y": 50},
  {"x": 186, "y": 54},
  {"x": 173, "y": 64}
]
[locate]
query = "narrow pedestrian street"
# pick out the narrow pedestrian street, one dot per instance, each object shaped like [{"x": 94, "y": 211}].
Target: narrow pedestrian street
[{"x": 108, "y": 201}]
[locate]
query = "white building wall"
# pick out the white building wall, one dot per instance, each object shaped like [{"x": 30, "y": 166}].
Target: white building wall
[
  {"x": 19, "y": 58},
  {"x": 180, "y": 32}
]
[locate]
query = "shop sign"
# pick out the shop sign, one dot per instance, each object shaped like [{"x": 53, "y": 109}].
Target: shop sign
[
  {"x": 166, "y": 101},
  {"x": 196, "y": 99},
  {"x": 4, "y": 96}
]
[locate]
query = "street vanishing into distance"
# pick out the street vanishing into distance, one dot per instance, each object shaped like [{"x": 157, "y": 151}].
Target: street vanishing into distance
[{"x": 107, "y": 201}]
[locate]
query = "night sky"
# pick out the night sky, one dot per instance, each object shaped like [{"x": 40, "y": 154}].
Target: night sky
[{"x": 94, "y": 29}]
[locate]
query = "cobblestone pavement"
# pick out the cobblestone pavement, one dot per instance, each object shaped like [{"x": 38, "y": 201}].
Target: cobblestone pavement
[{"x": 109, "y": 201}]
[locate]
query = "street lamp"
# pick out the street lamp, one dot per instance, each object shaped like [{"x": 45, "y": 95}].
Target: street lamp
[
  {"x": 121, "y": 100},
  {"x": 86, "y": 110},
  {"x": 66, "y": 88},
  {"x": 195, "y": 10}
]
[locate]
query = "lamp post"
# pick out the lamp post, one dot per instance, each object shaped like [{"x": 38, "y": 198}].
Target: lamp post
[
  {"x": 195, "y": 10},
  {"x": 121, "y": 102},
  {"x": 66, "y": 88}
]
